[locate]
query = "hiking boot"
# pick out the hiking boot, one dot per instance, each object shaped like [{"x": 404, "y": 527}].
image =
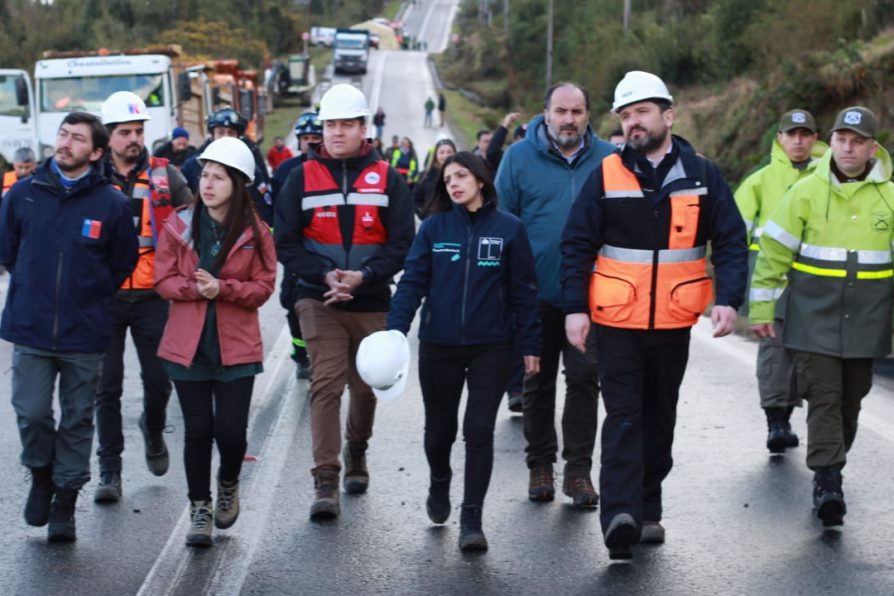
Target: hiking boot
[
  {"x": 621, "y": 536},
  {"x": 828, "y": 496},
  {"x": 791, "y": 439},
  {"x": 777, "y": 438},
  {"x": 157, "y": 459},
  {"x": 227, "y": 504},
  {"x": 40, "y": 497},
  {"x": 62, "y": 516},
  {"x": 109, "y": 488},
  {"x": 471, "y": 536},
  {"x": 199, "y": 532},
  {"x": 652, "y": 533},
  {"x": 516, "y": 403},
  {"x": 325, "y": 505},
  {"x": 302, "y": 368},
  {"x": 356, "y": 476},
  {"x": 581, "y": 491},
  {"x": 438, "y": 503},
  {"x": 540, "y": 485}
]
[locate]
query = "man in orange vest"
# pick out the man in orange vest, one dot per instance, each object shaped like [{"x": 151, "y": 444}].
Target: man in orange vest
[
  {"x": 23, "y": 165},
  {"x": 154, "y": 187},
  {"x": 634, "y": 256}
]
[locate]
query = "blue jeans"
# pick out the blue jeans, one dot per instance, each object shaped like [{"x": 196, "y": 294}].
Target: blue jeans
[
  {"x": 146, "y": 319},
  {"x": 66, "y": 448}
]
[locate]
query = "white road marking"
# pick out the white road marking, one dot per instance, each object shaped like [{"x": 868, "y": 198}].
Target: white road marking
[{"x": 172, "y": 562}]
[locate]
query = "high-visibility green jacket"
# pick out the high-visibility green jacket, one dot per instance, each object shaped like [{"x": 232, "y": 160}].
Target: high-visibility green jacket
[
  {"x": 833, "y": 243},
  {"x": 760, "y": 193}
]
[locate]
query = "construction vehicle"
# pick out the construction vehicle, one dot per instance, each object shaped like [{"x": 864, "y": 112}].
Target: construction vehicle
[
  {"x": 350, "y": 51},
  {"x": 238, "y": 89},
  {"x": 302, "y": 78}
]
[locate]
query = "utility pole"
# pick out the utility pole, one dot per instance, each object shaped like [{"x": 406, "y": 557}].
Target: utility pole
[
  {"x": 549, "y": 44},
  {"x": 626, "y": 14},
  {"x": 506, "y": 18}
]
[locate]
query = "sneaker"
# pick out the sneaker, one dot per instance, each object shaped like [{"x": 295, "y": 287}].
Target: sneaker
[
  {"x": 471, "y": 536},
  {"x": 325, "y": 505},
  {"x": 581, "y": 491},
  {"x": 227, "y": 504},
  {"x": 200, "y": 514},
  {"x": 828, "y": 496},
  {"x": 516, "y": 403},
  {"x": 62, "y": 516},
  {"x": 438, "y": 503},
  {"x": 652, "y": 532},
  {"x": 157, "y": 459},
  {"x": 40, "y": 497},
  {"x": 109, "y": 488},
  {"x": 621, "y": 536},
  {"x": 356, "y": 475},
  {"x": 540, "y": 485}
]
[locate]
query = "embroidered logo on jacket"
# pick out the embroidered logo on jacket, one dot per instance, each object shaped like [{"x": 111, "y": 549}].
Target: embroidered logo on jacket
[{"x": 490, "y": 250}]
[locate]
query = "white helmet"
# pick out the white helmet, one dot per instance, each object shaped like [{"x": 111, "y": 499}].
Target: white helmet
[
  {"x": 124, "y": 106},
  {"x": 232, "y": 152},
  {"x": 342, "y": 102},
  {"x": 383, "y": 362},
  {"x": 639, "y": 86}
]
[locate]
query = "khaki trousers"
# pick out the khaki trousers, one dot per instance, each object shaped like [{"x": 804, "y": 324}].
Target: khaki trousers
[{"x": 333, "y": 336}]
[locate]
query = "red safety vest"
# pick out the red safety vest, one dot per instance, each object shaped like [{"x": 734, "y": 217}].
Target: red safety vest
[
  {"x": 153, "y": 188},
  {"x": 322, "y": 196},
  {"x": 651, "y": 289}
]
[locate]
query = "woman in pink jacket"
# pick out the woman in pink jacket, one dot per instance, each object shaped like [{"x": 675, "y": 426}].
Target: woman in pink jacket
[{"x": 216, "y": 263}]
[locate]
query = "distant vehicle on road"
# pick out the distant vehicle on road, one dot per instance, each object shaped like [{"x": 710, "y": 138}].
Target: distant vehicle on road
[
  {"x": 322, "y": 36},
  {"x": 351, "y": 51}
]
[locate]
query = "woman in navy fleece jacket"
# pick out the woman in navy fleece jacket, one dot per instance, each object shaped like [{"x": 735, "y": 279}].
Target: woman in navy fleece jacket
[{"x": 472, "y": 264}]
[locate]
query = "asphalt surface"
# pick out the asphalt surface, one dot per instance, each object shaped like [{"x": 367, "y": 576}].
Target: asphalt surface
[{"x": 738, "y": 521}]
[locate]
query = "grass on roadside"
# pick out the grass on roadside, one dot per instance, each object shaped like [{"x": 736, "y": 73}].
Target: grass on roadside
[
  {"x": 466, "y": 118},
  {"x": 392, "y": 7},
  {"x": 279, "y": 122}
]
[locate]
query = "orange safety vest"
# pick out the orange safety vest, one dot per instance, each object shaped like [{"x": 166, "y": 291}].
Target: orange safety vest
[
  {"x": 665, "y": 288},
  {"x": 9, "y": 178},
  {"x": 153, "y": 189}
]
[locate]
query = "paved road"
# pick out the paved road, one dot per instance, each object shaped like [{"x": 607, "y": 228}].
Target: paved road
[{"x": 738, "y": 521}]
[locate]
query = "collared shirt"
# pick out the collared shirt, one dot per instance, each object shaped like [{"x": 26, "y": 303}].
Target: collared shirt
[{"x": 568, "y": 158}]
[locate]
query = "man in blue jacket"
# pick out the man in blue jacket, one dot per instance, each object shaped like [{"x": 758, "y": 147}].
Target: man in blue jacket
[
  {"x": 68, "y": 240},
  {"x": 537, "y": 181}
]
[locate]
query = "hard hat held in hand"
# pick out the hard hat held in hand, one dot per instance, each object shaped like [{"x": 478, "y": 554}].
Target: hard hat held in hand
[
  {"x": 232, "y": 152},
  {"x": 383, "y": 362},
  {"x": 637, "y": 86},
  {"x": 124, "y": 106},
  {"x": 343, "y": 102}
]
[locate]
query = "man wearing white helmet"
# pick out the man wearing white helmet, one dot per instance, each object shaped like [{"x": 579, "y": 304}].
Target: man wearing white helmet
[
  {"x": 344, "y": 224},
  {"x": 154, "y": 187},
  {"x": 633, "y": 262}
]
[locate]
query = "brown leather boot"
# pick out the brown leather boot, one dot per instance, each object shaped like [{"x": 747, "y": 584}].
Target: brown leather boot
[
  {"x": 325, "y": 505},
  {"x": 356, "y": 475}
]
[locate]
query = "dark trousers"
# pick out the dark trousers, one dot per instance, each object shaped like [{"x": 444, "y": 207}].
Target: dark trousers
[
  {"x": 516, "y": 383},
  {"x": 579, "y": 419},
  {"x": 640, "y": 373},
  {"x": 299, "y": 347},
  {"x": 146, "y": 320},
  {"x": 834, "y": 389},
  {"x": 213, "y": 411},
  {"x": 443, "y": 370}
]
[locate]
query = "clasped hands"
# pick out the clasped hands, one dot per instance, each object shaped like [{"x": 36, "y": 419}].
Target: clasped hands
[{"x": 341, "y": 285}]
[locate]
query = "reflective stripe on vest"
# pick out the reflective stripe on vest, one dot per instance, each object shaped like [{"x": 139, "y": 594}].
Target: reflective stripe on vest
[
  {"x": 651, "y": 289},
  {"x": 322, "y": 196},
  {"x": 153, "y": 189},
  {"x": 833, "y": 261}
]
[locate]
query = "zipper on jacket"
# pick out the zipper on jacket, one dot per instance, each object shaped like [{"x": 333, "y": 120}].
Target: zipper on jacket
[
  {"x": 56, "y": 304},
  {"x": 652, "y": 297},
  {"x": 466, "y": 284}
]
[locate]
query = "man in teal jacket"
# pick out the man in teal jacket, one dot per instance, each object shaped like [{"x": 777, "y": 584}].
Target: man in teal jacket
[
  {"x": 831, "y": 240},
  {"x": 794, "y": 155},
  {"x": 537, "y": 181}
]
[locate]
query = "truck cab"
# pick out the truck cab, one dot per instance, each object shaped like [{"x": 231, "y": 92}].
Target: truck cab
[
  {"x": 17, "y": 116},
  {"x": 350, "y": 51}
]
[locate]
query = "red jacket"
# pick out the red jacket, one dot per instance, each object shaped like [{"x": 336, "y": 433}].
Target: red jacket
[
  {"x": 277, "y": 156},
  {"x": 244, "y": 286}
]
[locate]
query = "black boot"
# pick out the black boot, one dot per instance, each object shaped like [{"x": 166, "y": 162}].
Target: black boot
[
  {"x": 37, "y": 508},
  {"x": 471, "y": 536},
  {"x": 828, "y": 496},
  {"x": 438, "y": 503},
  {"x": 62, "y": 516},
  {"x": 777, "y": 436}
]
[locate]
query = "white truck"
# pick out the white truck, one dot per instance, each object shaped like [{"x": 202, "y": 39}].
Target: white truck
[
  {"x": 66, "y": 82},
  {"x": 350, "y": 51}
]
